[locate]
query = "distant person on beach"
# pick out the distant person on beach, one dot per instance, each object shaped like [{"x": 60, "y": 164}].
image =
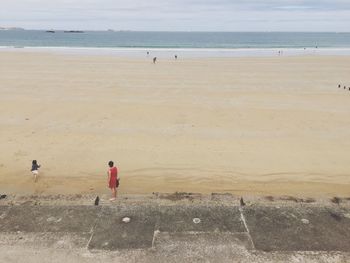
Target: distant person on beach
[
  {"x": 35, "y": 169},
  {"x": 147, "y": 53},
  {"x": 175, "y": 57},
  {"x": 113, "y": 181},
  {"x": 154, "y": 60}
]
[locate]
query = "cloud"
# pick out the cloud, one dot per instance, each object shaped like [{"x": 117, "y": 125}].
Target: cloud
[{"x": 213, "y": 15}]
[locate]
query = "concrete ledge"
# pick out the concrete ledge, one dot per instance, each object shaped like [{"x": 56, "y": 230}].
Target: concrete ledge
[
  {"x": 49, "y": 219},
  {"x": 112, "y": 233},
  {"x": 299, "y": 228},
  {"x": 166, "y": 229},
  {"x": 212, "y": 218}
]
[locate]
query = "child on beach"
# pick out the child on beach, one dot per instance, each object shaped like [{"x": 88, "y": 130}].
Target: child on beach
[
  {"x": 113, "y": 181},
  {"x": 35, "y": 169}
]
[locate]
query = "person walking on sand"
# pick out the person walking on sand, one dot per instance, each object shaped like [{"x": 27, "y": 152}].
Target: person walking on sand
[
  {"x": 113, "y": 181},
  {"x": 35, "y": 169}
]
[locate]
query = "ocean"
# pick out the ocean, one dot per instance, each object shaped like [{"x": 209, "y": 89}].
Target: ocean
[{"x": 186, "y": 43}]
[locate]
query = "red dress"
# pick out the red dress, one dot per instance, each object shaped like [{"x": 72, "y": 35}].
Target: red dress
[{"x": 113, "y": 179}]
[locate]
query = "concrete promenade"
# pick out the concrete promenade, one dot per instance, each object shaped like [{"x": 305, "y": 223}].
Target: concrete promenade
[{"x": 176, "y": 227}]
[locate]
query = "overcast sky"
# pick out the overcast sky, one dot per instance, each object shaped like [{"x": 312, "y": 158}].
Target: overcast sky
[{"x": 178, "y": 15}]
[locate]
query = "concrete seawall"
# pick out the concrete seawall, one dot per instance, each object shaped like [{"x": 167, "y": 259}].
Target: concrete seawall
[{"x": 176, "y": 227}]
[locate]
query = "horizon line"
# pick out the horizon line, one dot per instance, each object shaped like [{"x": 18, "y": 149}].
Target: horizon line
[{"x": 2, "y": 28}]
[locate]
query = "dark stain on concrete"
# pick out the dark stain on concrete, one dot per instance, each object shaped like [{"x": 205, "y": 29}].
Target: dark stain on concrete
[
  {"x": 177, "y": 196},
  {"x": 335, "y": 216},
  {"x": 336, "y": 200},
  {"x": 309, "y": 200},
  {"x": 291, "y": 198},
  {"x": 269, "y": 198}
]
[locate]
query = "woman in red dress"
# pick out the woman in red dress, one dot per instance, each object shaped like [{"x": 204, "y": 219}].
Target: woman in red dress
[{"x": 113, "y": 180}]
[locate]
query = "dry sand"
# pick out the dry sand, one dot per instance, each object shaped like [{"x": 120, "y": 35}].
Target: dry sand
[{"x": 264, "y": 126}]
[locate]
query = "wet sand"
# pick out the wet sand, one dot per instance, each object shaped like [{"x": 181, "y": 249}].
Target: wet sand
[{"x": 257, "y": 126}]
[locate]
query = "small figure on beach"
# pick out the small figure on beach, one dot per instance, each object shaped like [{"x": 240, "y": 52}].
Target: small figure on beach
[
  {"x": 154, "y": 60},
  {"x": 35, "y": 169},
  {"x": 113, "y": 181},
  {"x": 175, "y": 57},
  {"x": 339, "y": 86},
  {"x": 147, "y": 53}
]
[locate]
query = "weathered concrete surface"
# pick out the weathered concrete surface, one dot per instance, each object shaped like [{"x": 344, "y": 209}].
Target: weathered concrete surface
[
  {"x": 203, "y": 246},
  {"x": 3, "y": 211},
  {"x": 212, "y": 219},
  {"x": 162, "y": 230},
  {"x": 49, "y": 219},
  {"x": 299, "y": 228},
  {"x": 112, "y": 233},
  {"x": 187, "y": 251},
  {"x": 45, "y": 240}
]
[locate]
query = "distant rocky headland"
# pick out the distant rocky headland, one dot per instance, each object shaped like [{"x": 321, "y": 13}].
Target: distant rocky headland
[{"x": 11, "y": 28}]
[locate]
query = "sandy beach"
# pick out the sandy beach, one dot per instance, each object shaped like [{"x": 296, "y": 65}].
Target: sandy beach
[{"x": 255, "y": 126}]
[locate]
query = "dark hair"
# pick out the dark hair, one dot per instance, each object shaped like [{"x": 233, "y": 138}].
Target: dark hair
[
  {"x": 34, "y": 162},
  {"x": 110, "y": 163}
]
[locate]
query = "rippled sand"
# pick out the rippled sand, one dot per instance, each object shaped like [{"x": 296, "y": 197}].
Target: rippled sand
[{"x": 266, "y": 126}]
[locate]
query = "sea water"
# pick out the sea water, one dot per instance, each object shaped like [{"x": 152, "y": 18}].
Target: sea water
[{"x": 182, "y": 43}]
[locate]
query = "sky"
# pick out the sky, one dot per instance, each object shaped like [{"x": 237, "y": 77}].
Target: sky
[{"x": 178, "y": 15}]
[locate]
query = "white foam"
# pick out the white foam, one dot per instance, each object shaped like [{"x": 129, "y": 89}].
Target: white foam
[{"x": 185, "y": 52}]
